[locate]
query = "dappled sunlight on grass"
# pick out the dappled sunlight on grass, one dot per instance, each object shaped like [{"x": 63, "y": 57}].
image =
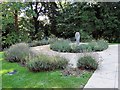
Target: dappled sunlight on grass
[
  {"x": 4, "y": 71},
  {"x": 1, "y": 59}
]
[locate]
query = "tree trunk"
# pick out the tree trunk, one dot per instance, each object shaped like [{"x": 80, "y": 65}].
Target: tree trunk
[
  {"x": 36, "y": 25},
  {"x": 16, "y": 20}
]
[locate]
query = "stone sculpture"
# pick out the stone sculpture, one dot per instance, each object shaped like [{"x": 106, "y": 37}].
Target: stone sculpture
[{"x": 77, "y": 37}]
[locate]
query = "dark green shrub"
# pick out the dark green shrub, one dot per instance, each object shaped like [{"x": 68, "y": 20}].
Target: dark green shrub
[
  {"x": 87, "y": 62},
  {"x": 18, "y": 53},
  {"x": 46, "y": 63},
  {"x": 61, "y": 46}
]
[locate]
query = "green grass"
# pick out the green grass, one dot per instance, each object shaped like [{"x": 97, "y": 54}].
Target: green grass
[{"x": 26, "y": 79}]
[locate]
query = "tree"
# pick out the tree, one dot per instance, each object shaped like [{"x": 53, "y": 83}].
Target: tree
[
  {"x": 100, "y": 20},
  {"x": 10, "y": 23}
]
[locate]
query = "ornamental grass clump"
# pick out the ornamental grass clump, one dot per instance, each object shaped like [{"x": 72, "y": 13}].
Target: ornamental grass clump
[
  {"x": 87, "y": 62},
  {"x": 18, "y": 53},
  {"x": 46, "y": 63}
]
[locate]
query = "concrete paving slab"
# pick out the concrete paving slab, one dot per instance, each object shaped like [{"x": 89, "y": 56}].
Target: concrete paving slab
[{"x": 100, "y": 83}]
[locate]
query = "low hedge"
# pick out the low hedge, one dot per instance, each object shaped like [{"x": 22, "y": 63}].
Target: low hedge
[
  {"x": 46, "y": 63},
  {"x": 38, "y": 43},
  {"x": 61, "y": 46},
  {"x": 99, "y": 45},
  {"x": 67, "y": 46}
]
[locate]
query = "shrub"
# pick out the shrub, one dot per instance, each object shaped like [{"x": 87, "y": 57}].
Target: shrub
[
  {"x": 81, "y": 48},
  {"x": 18, "y": 53},
  {"x": 99, "y": 45},
  {"x": 38, "y": 43},
  {"x": 46, "y": 63},
  {"x": 33, "y": 43},
  {"x": 52, "y": 40},
  {"x": 102, "y": 45},
  {"x": 61, "y": 46},
  {"x": 44, "y": 42},
  {"x": 67, "y": 46},
  {"x": 87, "y": 62}
]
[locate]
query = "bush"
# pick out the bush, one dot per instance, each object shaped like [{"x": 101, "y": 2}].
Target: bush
[
  {"x": 46, "y": 63},
  {"x": 102, "y": 45},
  {"x": 67, "y": 46},
  {"x": 61, "y": 46},
  {"x": 44, "y": 42},
  {"x": 52, "y": 40},
  {"x": 18, "y": 53},
  {"x": 87, "y": 62},
  {"x": 81, "y": 48},
  {"x": 38, "y": 43},
  {"x": 99, "y": 45},
  {"x": 34, "y": 43}
]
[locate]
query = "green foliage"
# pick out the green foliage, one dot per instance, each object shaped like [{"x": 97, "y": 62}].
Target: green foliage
[
  {"x": 87, "y": 62},
  {"x": 97, "y": 21},
  {"x": 44, "y": 42},
  {"x": 46, "y": 63},
  {"x": 81, "y": 48},
  {"x": 38, "y": 43},
  {"x": 101, "y": 20},
  {"x": 67, "y": 46},
  {"x": 18, "y": 53},
  {"x": 52, "y": 40},
  {"x": 99, "y": 45},
  {"x": 13, "y": 38},
  {"x": 61, "y": 46},
  {"x": 10, "y": 35}
]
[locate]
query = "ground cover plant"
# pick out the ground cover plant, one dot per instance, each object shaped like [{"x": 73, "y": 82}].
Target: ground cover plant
[
  {"x": 26, "y": 79},
  {"x": 67, "y": 46}
]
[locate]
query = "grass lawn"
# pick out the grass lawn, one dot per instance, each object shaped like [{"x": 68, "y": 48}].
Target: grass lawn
[{"x": 26, "y": 79}]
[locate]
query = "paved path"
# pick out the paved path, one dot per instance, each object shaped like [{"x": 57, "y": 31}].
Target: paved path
[{"x": 107, "y": 75}]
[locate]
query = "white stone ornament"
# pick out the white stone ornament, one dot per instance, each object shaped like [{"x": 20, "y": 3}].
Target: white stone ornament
[{"x": 77, "y": 37}]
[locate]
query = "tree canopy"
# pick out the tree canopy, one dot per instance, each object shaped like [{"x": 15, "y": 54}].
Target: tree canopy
[{"x": 36, "y": 20}]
